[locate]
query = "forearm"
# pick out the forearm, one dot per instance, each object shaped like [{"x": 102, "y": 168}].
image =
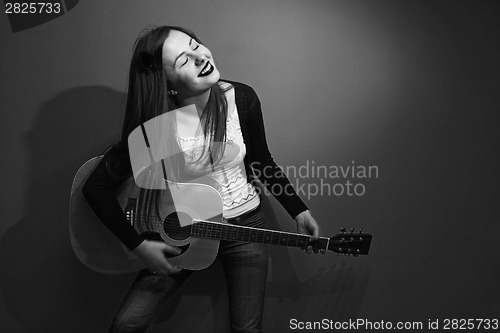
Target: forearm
[{"x": 100, "y": 192}]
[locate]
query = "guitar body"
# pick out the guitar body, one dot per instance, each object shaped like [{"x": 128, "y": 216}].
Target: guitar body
[
  {"x": 182, "y": 210},
  {"x": 100, "y": 250}
]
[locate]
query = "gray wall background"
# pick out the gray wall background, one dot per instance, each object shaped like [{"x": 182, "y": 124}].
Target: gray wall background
[{"x": 411, "y": 87}]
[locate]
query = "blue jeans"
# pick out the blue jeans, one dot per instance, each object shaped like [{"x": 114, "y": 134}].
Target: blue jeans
[{"x": 245, "y": 268}]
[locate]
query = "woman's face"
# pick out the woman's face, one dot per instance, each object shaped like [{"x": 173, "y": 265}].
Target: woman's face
[{"x": 189, "y": 65}]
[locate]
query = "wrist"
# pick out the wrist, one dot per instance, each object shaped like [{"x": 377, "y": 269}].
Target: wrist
[
  {"x": 141, "y": 248},
  {"x": 302, "y": 215}
]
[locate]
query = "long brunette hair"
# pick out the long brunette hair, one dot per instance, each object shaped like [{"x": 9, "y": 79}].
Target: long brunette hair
[
  {"x": 148, "y": 97},
  {"x": 148, "y": 87}
]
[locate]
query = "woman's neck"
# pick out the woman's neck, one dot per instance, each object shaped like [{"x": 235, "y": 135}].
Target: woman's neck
[{"x": 200, "y": 101}]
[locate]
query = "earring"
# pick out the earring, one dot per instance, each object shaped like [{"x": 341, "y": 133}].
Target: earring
[{"x": 172, "y": 92}]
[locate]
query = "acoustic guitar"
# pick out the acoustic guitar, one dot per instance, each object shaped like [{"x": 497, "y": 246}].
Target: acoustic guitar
[{"x": 189, "y": 216}]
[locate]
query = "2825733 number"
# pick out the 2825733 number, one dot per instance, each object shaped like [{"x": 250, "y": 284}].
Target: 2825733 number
[
  {"x": 32, "y": 8},
  {"x": 470, "y": 324}
]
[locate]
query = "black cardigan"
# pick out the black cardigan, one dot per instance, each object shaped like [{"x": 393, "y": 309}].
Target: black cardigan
[{"x": 114, "y": 168}]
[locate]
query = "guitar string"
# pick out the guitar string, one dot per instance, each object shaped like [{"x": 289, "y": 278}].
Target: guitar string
[{"x": 242, "y": 233}]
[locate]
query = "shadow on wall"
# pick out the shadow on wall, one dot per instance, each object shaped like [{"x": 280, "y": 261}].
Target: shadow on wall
[{"x": 47, "y": 289}]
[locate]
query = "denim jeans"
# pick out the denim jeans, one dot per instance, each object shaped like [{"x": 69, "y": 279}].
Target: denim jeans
[{"x": 245, "y": 268}]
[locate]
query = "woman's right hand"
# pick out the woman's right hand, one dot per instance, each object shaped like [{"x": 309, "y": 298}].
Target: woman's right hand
[{"x": 153, "y": 255}]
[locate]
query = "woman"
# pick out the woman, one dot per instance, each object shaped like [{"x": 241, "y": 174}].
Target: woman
[{"x": 171, "y": 68}]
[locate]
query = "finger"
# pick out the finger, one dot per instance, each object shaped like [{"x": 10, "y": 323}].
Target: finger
[
  {"x": 301, "y": 230},
  {"x": 172, "y": 250},
  {"x": 316, "y": 232},
  {"x": 173, "y": 269},
  {"x": 167, "y": 270}
]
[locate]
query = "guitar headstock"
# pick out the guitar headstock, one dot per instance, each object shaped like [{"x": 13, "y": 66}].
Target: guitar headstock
[{"x": 355, "y": 243}]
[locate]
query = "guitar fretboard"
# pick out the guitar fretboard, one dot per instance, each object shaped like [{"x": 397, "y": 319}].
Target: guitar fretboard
[{"x": 224, "y": 231}]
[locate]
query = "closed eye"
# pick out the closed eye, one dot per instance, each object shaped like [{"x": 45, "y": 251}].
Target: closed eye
[{"x": 194, "y": 49}]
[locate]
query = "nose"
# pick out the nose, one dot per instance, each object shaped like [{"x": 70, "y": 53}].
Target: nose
[{"x": 199, "y": 59}]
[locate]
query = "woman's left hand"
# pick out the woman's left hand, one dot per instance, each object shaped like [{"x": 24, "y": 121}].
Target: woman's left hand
[{"x": 307, "y": 225}]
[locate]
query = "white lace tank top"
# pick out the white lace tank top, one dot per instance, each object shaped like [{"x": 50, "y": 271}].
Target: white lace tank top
[{"x": 228, "y": 176}]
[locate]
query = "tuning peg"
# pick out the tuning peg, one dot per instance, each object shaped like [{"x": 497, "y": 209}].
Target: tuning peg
[
  {"x": 342, "y": 230},
  {"x": 360, "y": 230},
  {"x": 352, "y": 230}
]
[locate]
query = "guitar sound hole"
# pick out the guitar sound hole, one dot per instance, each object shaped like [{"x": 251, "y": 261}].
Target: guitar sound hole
[{"x": 172, "y": 225}]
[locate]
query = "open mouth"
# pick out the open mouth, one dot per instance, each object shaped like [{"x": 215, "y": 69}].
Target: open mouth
[{"x": 207, "y": 70}]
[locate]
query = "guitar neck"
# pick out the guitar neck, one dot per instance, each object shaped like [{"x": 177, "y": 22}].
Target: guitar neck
[{"x": 231, "y": 232}]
